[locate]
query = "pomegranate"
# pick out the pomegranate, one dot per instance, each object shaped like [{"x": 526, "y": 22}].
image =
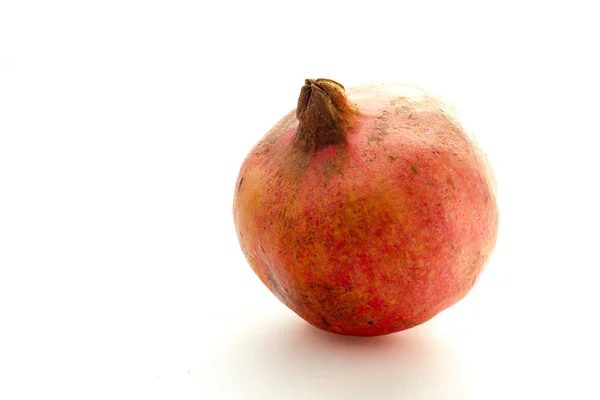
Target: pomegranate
[{"x": 366, "y": 211}]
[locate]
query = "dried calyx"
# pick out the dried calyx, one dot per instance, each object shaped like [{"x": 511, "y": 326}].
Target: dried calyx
[{"x": 324, "y": 113}]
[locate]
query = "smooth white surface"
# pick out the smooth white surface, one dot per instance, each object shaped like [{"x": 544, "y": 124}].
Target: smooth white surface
[{"x": 122, "y": 128}]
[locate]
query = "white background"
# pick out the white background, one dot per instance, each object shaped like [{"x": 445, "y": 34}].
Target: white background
[{"x": 122, "y": 128}]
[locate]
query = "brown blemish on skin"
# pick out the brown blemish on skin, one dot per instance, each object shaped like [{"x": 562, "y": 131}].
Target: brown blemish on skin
[
  {"x": 240, "y": 185},
  {"x": 414, "y": 170},
  {"x": 293, "y": 162},
  {"x": 262, "y": 148},
  {"x": 391, "y": 158},
  {"x": 382, "y": 127},
  {"x": 278, "y": 291},
  {"x": 329, "y": 165},
  {"x": 373, "y": 138}
]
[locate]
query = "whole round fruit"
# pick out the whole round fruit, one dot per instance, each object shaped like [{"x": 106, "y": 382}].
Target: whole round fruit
[{"x": 366, "y": 211}]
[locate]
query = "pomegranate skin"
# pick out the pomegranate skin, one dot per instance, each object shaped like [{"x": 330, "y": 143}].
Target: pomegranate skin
[{"x": 378, "y": 232}]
